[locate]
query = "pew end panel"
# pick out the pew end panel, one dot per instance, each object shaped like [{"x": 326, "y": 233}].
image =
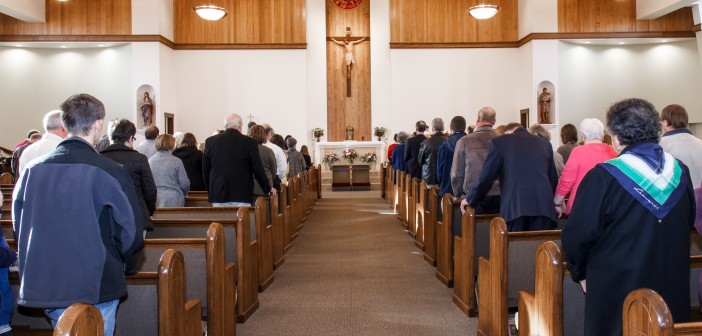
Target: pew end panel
[
  {"x": 277, "y": 213},
  {"x": 431, "y": 215},
  {"x": 247, "y": 268},
  {"x": 412, "y": 205},
  {"x": 421, "y": 199},
  {"x": 444, "y": 240},
  {"x": 265, "y": 246},
  {"x": 221, "y": 285},
  {"x": 80, "y": 319},
  {"x": 184, "y": 316}
]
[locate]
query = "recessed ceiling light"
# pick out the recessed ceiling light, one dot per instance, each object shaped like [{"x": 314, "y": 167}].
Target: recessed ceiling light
[
  {"x": 101, "y": 45},
  {"x": 18, "y": 45},
  {"x": 664, "y": 41},
  {"x": 621, "y": 42},
  {"x": 63, "y": 47},
  {"x": 587, "y": 42}
]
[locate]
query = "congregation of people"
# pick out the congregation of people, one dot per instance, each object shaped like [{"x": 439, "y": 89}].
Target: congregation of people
[
  {"x": 110, "y": 190},
  {"x": 624, "y": 195}
]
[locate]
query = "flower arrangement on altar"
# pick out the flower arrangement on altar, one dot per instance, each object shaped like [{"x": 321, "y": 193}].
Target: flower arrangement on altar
[
  {"x": 369, "y": 158},
  {"x": 330, "y": 158},
  {"x": 350, "y": 154},
  {"x": 317, "y": 133},
  {"x": 379, "y": 132}
]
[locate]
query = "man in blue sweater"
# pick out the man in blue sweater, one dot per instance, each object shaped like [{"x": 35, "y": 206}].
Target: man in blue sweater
[{"x": 79, "y": 213}]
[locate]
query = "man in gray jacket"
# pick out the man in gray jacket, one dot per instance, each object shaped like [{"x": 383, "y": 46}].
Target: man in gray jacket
[
  {"x": 679, "y": 141},
  {"x": 469, "y": 158},
  {"x": 429, "y": 152}
]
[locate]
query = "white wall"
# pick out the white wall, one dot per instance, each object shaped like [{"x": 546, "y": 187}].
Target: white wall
[
  {"x": 537, "y": 16},
  {"x": 270, "y": 84},
  {"x": 25, "y": 10},
  {"x": 430, "y": 83},
  {"x": 316, "y": 57},
  {"x": 594, "y": 77},
  {"x": 152, "y": 17},
  {"x": 381, "y": 78},
  {"x": 653, "y": 9},
  {"x": 36, "y": 81}
]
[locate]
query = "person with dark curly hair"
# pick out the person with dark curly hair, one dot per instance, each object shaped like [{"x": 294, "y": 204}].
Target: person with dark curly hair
[{"x": 630, "y": 224}]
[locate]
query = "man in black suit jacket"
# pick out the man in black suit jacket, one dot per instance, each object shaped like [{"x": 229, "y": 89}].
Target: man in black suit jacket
[
  {"x": 412, "y": 150},
  {"x": 228, "y": 164},
  {"x": 528, "y": 180}
]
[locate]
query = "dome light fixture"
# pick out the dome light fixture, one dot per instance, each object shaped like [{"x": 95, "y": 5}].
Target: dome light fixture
[
  {"x": 482, "y": 12},
  {"x": 210, "y": 12}
]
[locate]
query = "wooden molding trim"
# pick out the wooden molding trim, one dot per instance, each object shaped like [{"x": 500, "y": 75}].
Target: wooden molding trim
[
  {"x": 444, "y": 45},
  {"x": 544, "y": 36},
  {"x": 146, "y": 38},
  {"x": 696, "y": 28},
  {"x": 187, "y": 46}
]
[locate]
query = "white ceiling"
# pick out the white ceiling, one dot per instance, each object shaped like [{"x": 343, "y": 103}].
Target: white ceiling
[{"x": 25, "y": 10}]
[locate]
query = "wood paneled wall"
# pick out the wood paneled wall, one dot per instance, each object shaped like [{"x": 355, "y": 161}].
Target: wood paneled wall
[
  {"x": 446, "y": 21},
  {"x": 76, "y": 17},
  {"x": 343, "y": 111},
  {"x": 583, "y": 16},
  {"x": 247, "y": 22}
]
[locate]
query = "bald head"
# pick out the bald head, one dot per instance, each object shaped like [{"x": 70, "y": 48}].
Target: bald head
[
  {"x": 486, "y": 116},
  {"x": 233, "y": 121}
]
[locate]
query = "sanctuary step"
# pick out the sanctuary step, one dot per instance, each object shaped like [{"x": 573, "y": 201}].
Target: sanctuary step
[{"x": 327, "y": 180}]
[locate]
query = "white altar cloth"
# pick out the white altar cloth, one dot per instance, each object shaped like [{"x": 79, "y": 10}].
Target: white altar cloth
[{"x": 362, "y": 147}]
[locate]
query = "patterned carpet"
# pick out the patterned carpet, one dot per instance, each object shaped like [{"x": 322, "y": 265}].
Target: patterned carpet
[{"x": 353, "y": 270}]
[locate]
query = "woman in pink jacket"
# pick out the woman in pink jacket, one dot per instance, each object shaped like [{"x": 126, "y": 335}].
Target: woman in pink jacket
[{"x": 581, "y": 160}]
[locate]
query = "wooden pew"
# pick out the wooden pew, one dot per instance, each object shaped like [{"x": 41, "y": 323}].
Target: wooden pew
[
  {"x": 155, "y": 304},
  {"x": 261, "y": 231},
  {"x": 384, "y": 182},
  {"x": 401, "y": 197},
  {"x": 277, "y": 211},
  {"x": 197, "y": 193},
  {"x": 80, "y": 319},
  {"x": 509, "y": 268},
  {"x": 444, "y": 240},
  {"x": 557, "y": 304},
  {"x": 421, "y": 199},
  {"x": 645, "y": 313},
  {"x": 471, "y": 243},
  {"x": 411, "y": 205},
  {"x": 431, "y": 214},
  {"x": 196, "y": 201},
  {"x": 287, "y": 216},
  {"x": 243, "y": 253},
  {"x": 6, "y": 203}
]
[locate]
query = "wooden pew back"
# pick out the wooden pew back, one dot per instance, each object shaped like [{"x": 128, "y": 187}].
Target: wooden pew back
[
  {"x": 80, "y": 319},
  {"x": 444, "y": 240},
  {"x": 431, "y": 215},
  {"x": 645, "y": 313},
  {"x": 7, "y": 178}
]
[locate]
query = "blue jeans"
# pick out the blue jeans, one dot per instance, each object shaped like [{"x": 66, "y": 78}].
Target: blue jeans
[{"x": 107, "y": 309}]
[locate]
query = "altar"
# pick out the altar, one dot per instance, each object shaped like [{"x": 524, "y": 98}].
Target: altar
[{"x": 362, "y": 147}]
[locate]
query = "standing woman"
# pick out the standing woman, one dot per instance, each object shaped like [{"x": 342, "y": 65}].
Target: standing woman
[
  {"x": 296, "y": 163},
  {"x": 306, "y": 155},
  {"x": 258, "y": 133},
  {"x": 569, "y": 138},
  {"x": 187, "y": 152},
  {"x": 120, "y": 150},
  {"x": 171, "y": 179},
  {"x": 630, "y": 224},
  {"x": 582, "y": 159}
]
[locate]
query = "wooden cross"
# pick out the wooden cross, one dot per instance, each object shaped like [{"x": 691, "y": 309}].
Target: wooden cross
[{"x": 250, "y": 117}]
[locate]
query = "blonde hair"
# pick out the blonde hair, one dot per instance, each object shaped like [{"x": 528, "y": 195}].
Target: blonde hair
[{"x": 165, "y": 142}]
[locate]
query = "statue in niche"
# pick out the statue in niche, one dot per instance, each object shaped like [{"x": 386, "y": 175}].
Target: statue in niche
[
  {"x": 147, "y": 110},
  {"x": 545, "y": 106}
]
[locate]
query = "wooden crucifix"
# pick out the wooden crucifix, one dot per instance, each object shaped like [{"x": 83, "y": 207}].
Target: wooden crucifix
[
  {"x": 251, "y": 117},
  {"x": 348, "y": 56}
]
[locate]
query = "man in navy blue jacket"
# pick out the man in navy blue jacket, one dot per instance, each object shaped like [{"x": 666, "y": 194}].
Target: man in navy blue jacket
[
  {"x": 76, "y": 209},
  {"x": 446, "y": 150}
]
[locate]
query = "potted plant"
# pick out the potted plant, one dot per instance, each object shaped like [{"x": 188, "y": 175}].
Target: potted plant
[
  {"x": 317, "y": 133},
  {"x": 379, "y": 132}
]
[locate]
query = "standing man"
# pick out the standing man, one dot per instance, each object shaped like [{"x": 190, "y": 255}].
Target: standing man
[
  {"x": 528, "y": 180},
  {"x": 446, "y": 152},
  {"x": 86, "y": 233},
  {"x": 680, "y": 143},
  {"x": 17, "y": 154},
  {"x": 429, "y": 152},
  {"x": 55, "y": 132},
  {"x": 148, "y": 146},
  {"x": 229, "y": 161},
  {"x": 468, "y": 161},
  {"x": 412, "y": 150}
]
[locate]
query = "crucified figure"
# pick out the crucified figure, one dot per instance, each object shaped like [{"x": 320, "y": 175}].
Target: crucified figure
[{"x": 348, "y": 57}]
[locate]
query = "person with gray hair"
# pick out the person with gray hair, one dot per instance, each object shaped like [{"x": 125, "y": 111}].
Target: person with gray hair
[
  {"x": 582, "y": 159},
  {"x": 540, "y": 131},
  {"x": 468, "y": 160},
  {"x": 79, "y": 238},
  {"x": 55, "y": 133},
  {"x": 229, "y": 161},
  {"x": 679, "y": 141},
  {"x": 428, "y": 156},
  {"x": 630, "y": 223},
  {"x": 296, "y": 163}
]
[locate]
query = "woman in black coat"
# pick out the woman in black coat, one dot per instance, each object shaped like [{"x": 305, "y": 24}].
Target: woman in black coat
[
  {"x": 192, "y": 161},
  {"x": 137, "y": 165}
]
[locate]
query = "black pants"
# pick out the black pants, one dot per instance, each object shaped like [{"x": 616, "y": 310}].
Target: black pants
[{"x": 531, "y": 223}]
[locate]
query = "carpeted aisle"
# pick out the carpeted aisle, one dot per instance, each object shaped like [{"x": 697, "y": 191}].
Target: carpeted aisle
[{"x": 353, "y": 270}]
